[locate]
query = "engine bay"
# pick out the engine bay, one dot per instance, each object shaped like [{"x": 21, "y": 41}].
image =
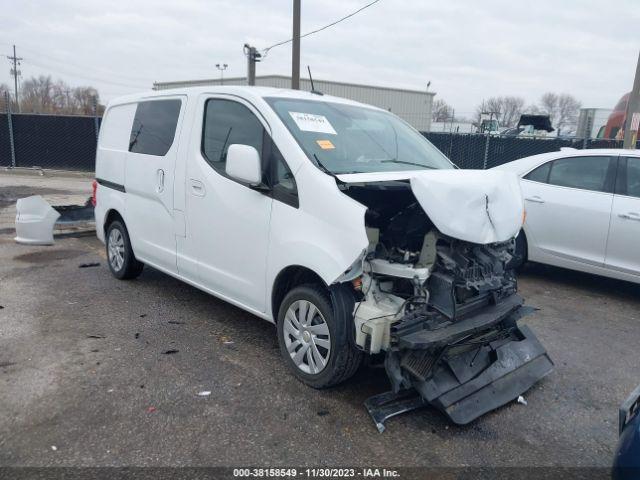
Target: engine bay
[{"x": 410, "y": 266}]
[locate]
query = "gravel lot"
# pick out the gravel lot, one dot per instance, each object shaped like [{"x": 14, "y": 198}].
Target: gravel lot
[{"x": 84, "y": 367}]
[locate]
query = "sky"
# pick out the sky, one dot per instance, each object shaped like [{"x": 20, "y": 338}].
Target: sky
[{"x": 469, "y": 50}]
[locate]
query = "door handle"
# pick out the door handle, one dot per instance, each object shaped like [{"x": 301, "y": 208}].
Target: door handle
[
  {"x": 160, "y": 176},
  {"x": 197, "y": 188},
  {"x": 534, "y": 199},
  {"x": 630, "y": 216}
]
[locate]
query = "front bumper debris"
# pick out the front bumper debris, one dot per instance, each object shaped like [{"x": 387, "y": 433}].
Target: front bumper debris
[{"x": 464, "y": 369}]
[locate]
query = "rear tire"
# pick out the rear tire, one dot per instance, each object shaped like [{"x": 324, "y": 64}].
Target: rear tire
[
  {"x": 122, "y": 262},
  {"x": 313, "y": 337}
]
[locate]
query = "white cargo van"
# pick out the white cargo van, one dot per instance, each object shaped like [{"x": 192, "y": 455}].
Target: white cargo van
[{"x": 335, "y": 220}]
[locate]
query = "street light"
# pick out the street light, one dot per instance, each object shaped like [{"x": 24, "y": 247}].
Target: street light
[{"x": 222, "y": 68}]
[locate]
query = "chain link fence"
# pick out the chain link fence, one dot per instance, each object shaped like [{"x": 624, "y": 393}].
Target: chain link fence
[
  {"x": 68, "y": 142},
  {"x": 59, "y": 142},
  {"x": 481, "y": 151}
]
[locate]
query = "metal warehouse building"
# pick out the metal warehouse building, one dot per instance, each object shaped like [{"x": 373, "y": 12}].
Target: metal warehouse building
[{"x": 414, "y": 106}]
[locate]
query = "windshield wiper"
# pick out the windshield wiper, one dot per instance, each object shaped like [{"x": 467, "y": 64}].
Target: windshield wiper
[
  {"x": 393, "y": 160},
  {"x": 327, "y": 171}
]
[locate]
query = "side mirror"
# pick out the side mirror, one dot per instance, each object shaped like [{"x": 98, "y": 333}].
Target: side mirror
[{"x": 243, "y": 163}]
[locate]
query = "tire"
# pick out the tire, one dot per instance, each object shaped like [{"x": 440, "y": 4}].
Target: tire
[
  {"x": 324, "y": 337},
  {"x": 122, "y": 262},
  {"x": 520, "y": 254}
]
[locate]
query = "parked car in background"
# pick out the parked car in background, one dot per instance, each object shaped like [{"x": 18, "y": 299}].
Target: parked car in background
[
  {"x": 626, "y": 464},
  {"x": 582, "y": 210},
  {"x": 333, "y": 220}
]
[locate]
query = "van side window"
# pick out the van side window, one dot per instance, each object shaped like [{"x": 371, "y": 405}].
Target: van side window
[
  {"x": 154, "y": 127},
  {"x": 283, "y": 183},
  {"x": 227, "y": 122}
]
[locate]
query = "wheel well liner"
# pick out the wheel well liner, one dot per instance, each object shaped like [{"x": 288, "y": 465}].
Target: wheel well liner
[
  {"x": 111, "y": 215},
  {"x": 286, "y": 279}
]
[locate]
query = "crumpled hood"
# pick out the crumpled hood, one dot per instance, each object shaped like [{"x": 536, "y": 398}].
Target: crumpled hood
[{"x": 478, "y": 206}]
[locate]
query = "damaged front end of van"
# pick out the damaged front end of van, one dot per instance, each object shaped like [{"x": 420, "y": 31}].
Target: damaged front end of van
[{"x": 436, "y": 295}]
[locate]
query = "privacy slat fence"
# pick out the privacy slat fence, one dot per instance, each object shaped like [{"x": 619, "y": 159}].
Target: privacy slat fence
[{"x": 69, "y": 143}]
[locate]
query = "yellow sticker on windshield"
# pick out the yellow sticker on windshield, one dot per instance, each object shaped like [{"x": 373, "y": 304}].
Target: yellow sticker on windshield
[{"x": 325, "y": 144}]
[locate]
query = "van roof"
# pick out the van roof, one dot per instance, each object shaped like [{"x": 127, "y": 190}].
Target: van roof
[{"x": 244, "y": 91}]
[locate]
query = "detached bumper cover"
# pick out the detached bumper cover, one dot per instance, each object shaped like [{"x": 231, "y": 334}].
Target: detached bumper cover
[{"x": 464, "y": 369}]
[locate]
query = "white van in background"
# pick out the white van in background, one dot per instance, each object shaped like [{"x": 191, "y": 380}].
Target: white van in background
[{"x": 335, "y": 220}]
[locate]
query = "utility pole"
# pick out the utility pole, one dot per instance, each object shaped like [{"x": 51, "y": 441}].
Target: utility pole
[
  {"x": 295, "y": 47},
  {"x": 252, "y": 58},
  {"x": 15, "y": 72},
  {"x": 632, "y": 117},
  {"x": 222, "y": 68}
]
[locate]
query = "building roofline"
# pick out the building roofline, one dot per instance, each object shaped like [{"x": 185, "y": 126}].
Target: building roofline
[{"x": 212, "y": 81}]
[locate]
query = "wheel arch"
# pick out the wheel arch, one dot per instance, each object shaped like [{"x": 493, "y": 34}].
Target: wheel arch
[{"x": 286, "y": 279}]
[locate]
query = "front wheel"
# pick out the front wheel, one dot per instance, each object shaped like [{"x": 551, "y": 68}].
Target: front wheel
[{"x": 313, "y": 337}]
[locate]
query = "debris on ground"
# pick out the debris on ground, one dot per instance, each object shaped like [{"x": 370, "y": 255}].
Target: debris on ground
[
  {"x": 322, "y": 413},
  {"x": 143, "y": 315},
  {"x": 226, "y": 340},
  {"x": 137, "y": 335},
  {"x": 54, "y": 448},
  {"x": 96, "y": 336},
  {"x": 89, "y": 265},
  {"x": 151, "y": 409},
  {"x": 521, "y": 400},
  {"x": 1, "y": 307},
  {"x": 175, "y": 322},
  {"x": 204, "y": 393},
  {"x": 170, "y": 352},
  {"x": 110, "y": 390}
]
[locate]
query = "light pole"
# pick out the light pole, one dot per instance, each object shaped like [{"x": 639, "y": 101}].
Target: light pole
[{"x": 222, "y": 68}]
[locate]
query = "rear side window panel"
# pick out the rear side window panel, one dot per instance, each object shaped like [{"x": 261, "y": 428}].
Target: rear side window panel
[
  {"x": 154, "y": 127},
  {"x": 593, "y": 173},
  {"x": 540, "y": 174},
  {"x": 628, "y": 182}
]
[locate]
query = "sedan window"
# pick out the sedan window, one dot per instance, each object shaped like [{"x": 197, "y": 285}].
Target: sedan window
[
  {"x": 633, "y": 177},
  {"x": 540, "y": 174},
  {"x": 586, "y": 173}
]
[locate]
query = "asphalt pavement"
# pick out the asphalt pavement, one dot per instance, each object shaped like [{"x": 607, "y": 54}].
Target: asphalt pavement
[{"x": 95, "y": 371}]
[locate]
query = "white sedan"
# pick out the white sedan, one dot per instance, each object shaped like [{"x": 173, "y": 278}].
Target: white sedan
[{"x": 583, "y": 210}]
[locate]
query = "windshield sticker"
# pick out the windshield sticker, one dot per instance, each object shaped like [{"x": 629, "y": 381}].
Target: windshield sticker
[
  {"x": 308, "y": 122},
  {"x": 325, "y": 144}
]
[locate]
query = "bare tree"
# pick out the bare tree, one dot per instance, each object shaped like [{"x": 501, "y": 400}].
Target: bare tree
[
  {"x": 36, "y": 95},
  {"x": 568, "y": 107},
  {"x": 549, "y": 105},
  {"x": 43, "y": 95},
  {"x": 561, "y": 108},
  {"x": 441, "y": 111},
  {"x": 505, "y": 109},
  {"x": 5, "y": 93},
  {"x": 512, "y": 108}
]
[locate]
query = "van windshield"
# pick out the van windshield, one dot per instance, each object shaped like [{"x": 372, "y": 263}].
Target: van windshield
[{"x": 349, "y": 139}]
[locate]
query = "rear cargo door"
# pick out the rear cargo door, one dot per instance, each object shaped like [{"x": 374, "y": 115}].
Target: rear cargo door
[{"x": 149, "y": 180}]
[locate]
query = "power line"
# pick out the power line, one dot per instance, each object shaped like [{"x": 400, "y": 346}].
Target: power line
[
  {"x": 84, "y": 77},
  {"x": 266, "y": 50},
  {"x": 58, "y": 60}
]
